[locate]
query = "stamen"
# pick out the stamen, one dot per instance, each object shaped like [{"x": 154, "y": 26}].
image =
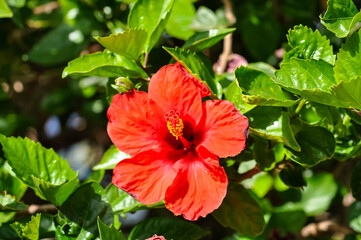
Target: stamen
[{"x": 174, "y": 123}]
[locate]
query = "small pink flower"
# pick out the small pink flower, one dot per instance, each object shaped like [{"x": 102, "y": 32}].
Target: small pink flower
[{"x": 155, "y": 237}]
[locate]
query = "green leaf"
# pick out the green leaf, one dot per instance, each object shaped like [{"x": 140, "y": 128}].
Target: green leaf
[
  {"x": 11, "y": 184},
  {"x": 288, "y": 218},
  {"x": 130, "y": 43},
  {"x": 317, "y": 144},
  {"x": 264, "y": 67},
  {"x": 42, "y": 169},
  {"x": 273, "y": 124},
  {"x": 292, "y": 175},
  {"x": 111, "y": 158},
  {"x": 152, "y": 16},
  {"x": 263, "y": 154},
  {"x": 58, "y": 46},
  {"x": 318, "y": 195},
  {"x": 122, "y": 202},
  {"x": 259, "y": 88},
  {"x": 109, "y": 233},
  {"x": 310, "y": 44},
  {"x": 234, "y": 94},
  {"x": 174, "y": 229},
  {"x": 77, "y": 217},
  {"x": 348, "y": 59},
  {"x": 205, "y": 19},
  {"x": 198, "y": 64},
  {"x": 204, "y": 40},
  {"x": 240, "y": 212},
  {"x": 180, "y": 18},
  {"x": 257, "y": 21},
  {"x": 354, "y": 216},
  {"x": 348, "y": 93},
  {"x": 9, "y": 203},
  {"x": 5, "y": 11},
  {"x": 55, "y": 193},
  {"x": 31, "y": 230},
  {"x": 339, "y": 17},
  {"x": 308, "y": 78},
  {"x": 104, "y": 64},
  {"x": 356, "y": 181}
]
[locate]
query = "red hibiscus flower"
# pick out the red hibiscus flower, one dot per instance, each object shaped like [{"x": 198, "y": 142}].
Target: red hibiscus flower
[{"x": 174, "y": 139}]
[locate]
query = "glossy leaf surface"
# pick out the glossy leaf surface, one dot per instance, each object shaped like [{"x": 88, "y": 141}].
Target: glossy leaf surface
[
  {"x": 309, "y": 44},
  {"x": 152, "y": 16},
  {"x": 130, "y": 43},
  {"x": 259, "y": 88},
  {"x": 339, "y": 17},
  {"x": 207, "y": 39},
  {"x": 42, "y": 169},
  {"x": 104, "y": 64},
  {"x": 77, "y": 217}
]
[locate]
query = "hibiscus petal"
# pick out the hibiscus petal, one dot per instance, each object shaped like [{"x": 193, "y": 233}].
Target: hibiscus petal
[
  {"x": 225, "y": 129},
  {"x": 135, "y": 124},
  {"x": 199, "y": 187},
  {"x": 173, "y": 88},
  {"x": 146, "y": 176}
]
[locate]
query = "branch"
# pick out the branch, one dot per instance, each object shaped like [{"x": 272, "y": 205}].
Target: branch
[{"x": 227, "y": 41}]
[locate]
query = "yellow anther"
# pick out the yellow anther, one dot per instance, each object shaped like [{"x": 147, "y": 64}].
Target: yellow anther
[{"x": 174, "y": 123}]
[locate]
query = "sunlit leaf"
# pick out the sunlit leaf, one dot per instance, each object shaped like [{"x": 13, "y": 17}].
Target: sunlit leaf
[
  {"x": 42, "y": 169},
  {"x": 5, "y": 11},
  {"x": 259, "y": 88},
  {"x": 111, "y": 158},
  {"x": 122, "y": 202},
  {"x": 180, "y": 18},
  {"x": 9, "y": 203},
  {"x": 207, "y": 39},
  {"x": 109, "y": 233},
  {"x": 310, "y": 44},
  {"x": 240, "y": 212},
  {"x": 348, "y": 93},
  {"x": 104, "y": 64},
  {"x": 130, "y": 43},
  {"x": 234, "y": 94},
  {"x": 31, "y": 230},
  {"x": 308, "y": 78},
  {"x": 152, "y": 16},
  {"x": 341, "y": 16},
  {"x": 347, "y": 66},
  {"x": 175, "y": 229}
]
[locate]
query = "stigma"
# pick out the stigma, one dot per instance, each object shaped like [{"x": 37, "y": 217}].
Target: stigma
[{"x": 174, "y": 123}]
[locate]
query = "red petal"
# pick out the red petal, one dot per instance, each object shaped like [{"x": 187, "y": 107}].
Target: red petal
[
  {"x": 199, "y": 187},
  {"x": 145, "y": 176},
  {"x": 135, "y": 124},
  {"x": 173, "y": 88},
  {"x": 225, "y": 128}
]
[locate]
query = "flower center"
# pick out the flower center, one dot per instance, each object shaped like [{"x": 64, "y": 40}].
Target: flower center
[
  {"x": 175, "y": 126},
  {"x": 174, "y": 123}
]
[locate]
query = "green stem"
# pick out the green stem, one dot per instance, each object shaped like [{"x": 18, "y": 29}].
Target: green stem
[{"x": 300, "y": 106}]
